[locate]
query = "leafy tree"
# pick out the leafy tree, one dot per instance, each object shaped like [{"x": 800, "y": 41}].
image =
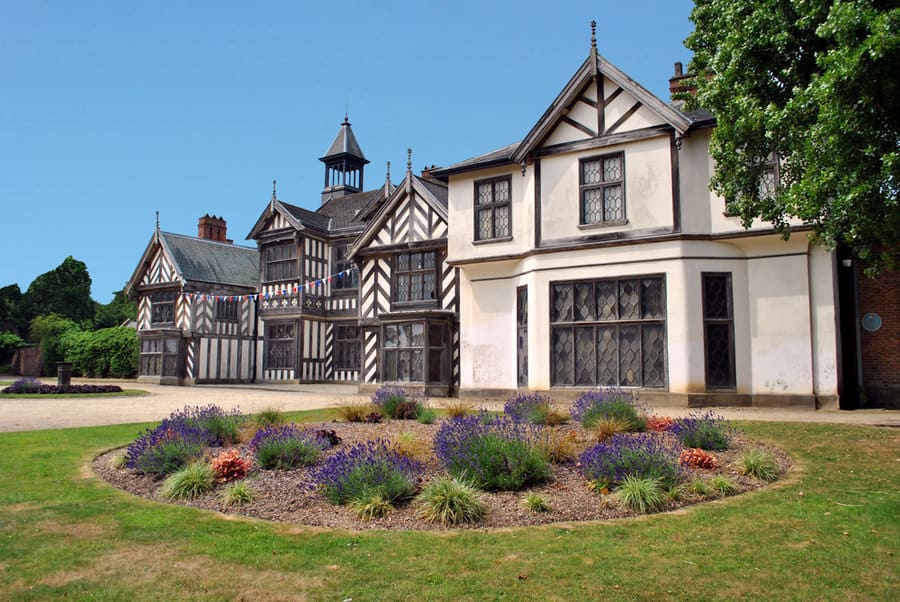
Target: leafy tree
[
  {"x": 817, "y": 83},
  {"x": 65, "y": 290},
  {"x": 9, "y": 343},
  {"x": 102, "y": 353},
  {"x": 114, "y": 313},
  {"x": 11, "y": 305},
  {"x": 48, "y": 331}
]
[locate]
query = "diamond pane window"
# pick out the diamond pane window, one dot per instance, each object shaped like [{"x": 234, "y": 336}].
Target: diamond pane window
[
  {"x": 608, "y": 333},
  {"x": 493, "y": 213},
  {"x": 415, "y": 277},
  {"x": 603, "y": 189},
  {"x": 718, "y": 330}
]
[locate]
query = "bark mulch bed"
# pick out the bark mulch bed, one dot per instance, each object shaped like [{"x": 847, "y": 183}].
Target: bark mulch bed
[{"x": 281, "y": 495}]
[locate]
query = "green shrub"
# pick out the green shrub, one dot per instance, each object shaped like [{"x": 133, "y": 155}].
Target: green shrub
[
  {"x": 699, "y": 487},
  {"x": 191, "y": 481},
  {"x": 450, "y": 502},
  {"x": 535, "y": 503},
  {"x": 9, "y": 344},
  {"x": 237, "y": 493},
  {"x": 370, "y": 504},
  {"x": 48, "y": 331},
  {"x": 285, "y": 453},
  {"x": 642, "y": 494},
  {"x": 591, "y": 406},
  {"x": 426, "y": 416},
  {"x": 108, "y": 352}
]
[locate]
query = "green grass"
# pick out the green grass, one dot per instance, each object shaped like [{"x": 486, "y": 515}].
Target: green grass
[
  {"x": 124, "y": 393},
  {"x": 830, "y": 531}
]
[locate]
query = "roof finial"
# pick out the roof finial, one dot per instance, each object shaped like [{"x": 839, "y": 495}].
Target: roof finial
[
  {"x": 593, "y": 34},
  {"x": 388, "y": 176},
  {"x": 274, "y": 184},
  {"x": 157, "y": 221},
  {"x": 409, "y": 159}
]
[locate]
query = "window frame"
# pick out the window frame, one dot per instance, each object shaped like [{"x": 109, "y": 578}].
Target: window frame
[
  {"x": 614, "y": 323},
  {"x": 292, "y": 261},
  {"x": 435, "y": 352},
  {"x": 493, "y": 206},
  {"x": 583, "y": 189},
  {"x": 727, "y": 321},
  {"x": 159, "y": 301},
  {"x": 348, "y": 282},
  {"x": 397, "y": 274},
  {"x": 345, "y": 351},
  {"x": 227, "y": 310},
  {"x": 286, "y": 342}
]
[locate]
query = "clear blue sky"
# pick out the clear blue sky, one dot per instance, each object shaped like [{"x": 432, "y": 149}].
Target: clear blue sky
[{"x": 110, "y": 111}]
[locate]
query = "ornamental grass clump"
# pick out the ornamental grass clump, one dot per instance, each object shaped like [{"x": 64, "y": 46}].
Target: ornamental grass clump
[
  {"x": 758, "y": 464},
  {"x": 288, "y": 446},
  {"x": 191, "y": 481},
  {"x": 494, "y": 453},
  {"x": 642, "y": 494},
  {"x": 591, "y": 406},
  {"x": 533, "y": 408},
  {"x": 450, "y": 502},
  {"x": 642, "y": 456},
  {"x": 707, "y": 431},
  {"x": 364, "y": 470},
  {"x": 351, "y": 410},
  {"x": 237, "y": 493}
]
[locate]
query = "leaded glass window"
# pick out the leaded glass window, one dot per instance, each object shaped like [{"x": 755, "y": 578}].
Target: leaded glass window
[
  {"x": 280, "y": 339},
  {"x": 603, "y": 189},
  {"x": 522, "y": 336},
  {"x": 346, "y": 347},
  {"x": 159, "y": 356},
  {"x": 609, "y": 332},
  {"x": 162, "y": 308},
  {"x": 718, "y": 331},
  {"x": 281, "y": 262},
  {"x": 415, "y": 277},
  {"x": 493, "y": 209},
  {"x": 347, "y": 276},
  {"x": 415, "y": 352}
]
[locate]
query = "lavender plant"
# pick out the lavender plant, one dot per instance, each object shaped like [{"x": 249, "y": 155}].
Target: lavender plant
[
  {"x": 286, "y": 447},
  {"x": 220, "y": 426},
  {"x": 707, "y": 431},
  {"x": 388, "y": 399},
  {"x": 590, "y": 406},
  {"x": 30, "y": 385},
  {"x": 166, "y": 449},
  {"x": 364, "y": 470},
  {"x": 527, "y": 407},
  {"x": 24, "y": 385},
  {"x": 495, "y": 453},
  {"x": 642, "y": 456}
]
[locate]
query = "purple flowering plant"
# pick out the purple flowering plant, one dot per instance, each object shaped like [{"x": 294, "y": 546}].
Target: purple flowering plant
[
  {"x": 495, "y": 453},
  {"x": 285, "y": 447},
  {"x": 366, "y": 469},
  {"x": 30, "y": 385},
  {"x": 526, "y": 407},
  {"x": 395, "y": 402},
  {"x": 640, "y": 455},
  {"x": 616, "y": 404},
  {"x": 707, "y": 430}
]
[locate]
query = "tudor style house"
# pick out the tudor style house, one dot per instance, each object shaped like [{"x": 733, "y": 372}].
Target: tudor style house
[
  {"x": 592, "y": 254},
  {"x": 196, "y": 317},
  {"x": 589, "y": 254}
]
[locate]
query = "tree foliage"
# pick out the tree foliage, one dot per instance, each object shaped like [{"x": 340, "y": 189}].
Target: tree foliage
[
  {"x": 102, "y": 353},
  {"x": 48, "y": 331},
  {"x": 65, "y": 291},
  {"x": 11, "y": 315},
  {"x": 815, "y": 82},
  {"x": 116, "y": 312}
]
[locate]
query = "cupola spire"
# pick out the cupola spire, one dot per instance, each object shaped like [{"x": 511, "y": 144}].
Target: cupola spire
[{"x": 344, "y": 164}]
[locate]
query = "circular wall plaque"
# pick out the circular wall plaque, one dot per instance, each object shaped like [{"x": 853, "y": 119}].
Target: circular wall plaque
[{"x": 871, "y": 322}]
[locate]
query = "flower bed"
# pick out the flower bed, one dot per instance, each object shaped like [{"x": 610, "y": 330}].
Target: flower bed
[
  {"x": 32, "y": 386},
  {"x": 368, "y": 479}
]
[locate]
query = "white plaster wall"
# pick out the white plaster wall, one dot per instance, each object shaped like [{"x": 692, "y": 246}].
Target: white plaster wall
[
  {"x": 648, "y": 189},
  {"x": 461, "y": 221},
  {"x": 823, "y": 304}
]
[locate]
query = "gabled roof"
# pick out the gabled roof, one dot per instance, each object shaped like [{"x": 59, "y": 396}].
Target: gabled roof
[
  {"x": 596, "y": 66},
  {"x": 202, "y": 260},
  {"x": 433, "y": 193},
  {"x": 344, "y": 144},
  {"x": 349, "y": 210},
  {"x": 298, "y": 217},
  {"x": 494, "y": 158}
]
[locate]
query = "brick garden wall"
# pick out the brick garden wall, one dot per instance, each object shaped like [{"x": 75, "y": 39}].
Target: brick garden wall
[{"x": 881, "y": 349}]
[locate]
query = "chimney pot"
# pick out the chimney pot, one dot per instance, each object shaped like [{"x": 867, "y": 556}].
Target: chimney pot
[{"x": 679, "y": 68}]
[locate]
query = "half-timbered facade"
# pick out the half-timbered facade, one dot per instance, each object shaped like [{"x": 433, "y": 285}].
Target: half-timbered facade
[
  {"x": 196, "y": 300},
  {"x": 409, "y": 298}
]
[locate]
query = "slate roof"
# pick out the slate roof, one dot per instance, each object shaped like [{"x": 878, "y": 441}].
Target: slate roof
[
  {"x": 345, "y": 144},
  {"x": 438, "y": 189},
  {"x": 700, "y": 117},
  {"x": 349, "y": 211},
  {"x": 210, "y": 261},
  {"x": 500, "y": 156},
  {"x": 310, "y": 219}
]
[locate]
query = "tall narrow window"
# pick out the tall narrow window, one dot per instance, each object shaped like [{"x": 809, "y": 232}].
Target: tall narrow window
[
  {"x": 226, "y": 310},
  {"x": 768, "y": 182},
  {"x": 281, "y": 262},
  {"x": 346, "y": 347},
  {"x": 347, "y": 275},
  {"x": 603, "y": 189},
  {"x": 522, "y": 336},
  {"x": 718, "y": 331},
  {"x": 280, "y": 353},
  {"x": 492, "y": 208},
  {"x": 415, "y": 277}
]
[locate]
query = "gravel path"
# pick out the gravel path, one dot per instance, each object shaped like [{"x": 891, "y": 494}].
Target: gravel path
[{"x": 50, "y": 413}]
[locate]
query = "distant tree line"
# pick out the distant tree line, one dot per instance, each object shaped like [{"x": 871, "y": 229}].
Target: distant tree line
[{"x": 57, "y": 314}]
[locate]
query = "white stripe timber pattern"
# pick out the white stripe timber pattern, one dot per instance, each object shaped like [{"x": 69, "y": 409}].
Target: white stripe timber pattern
[
  {"x": 161, "y": 269},
  {"x": 413, "y": 221}
]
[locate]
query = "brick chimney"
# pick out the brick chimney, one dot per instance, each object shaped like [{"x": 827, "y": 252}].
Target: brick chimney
[
  {"x": 212, "y": 227},
  {"x": 681, "y": 82},
  {"x": 426, "y": 173}
]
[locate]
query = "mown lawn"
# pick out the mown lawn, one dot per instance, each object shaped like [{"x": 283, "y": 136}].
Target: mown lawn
[{"x": 830, "y": 532}]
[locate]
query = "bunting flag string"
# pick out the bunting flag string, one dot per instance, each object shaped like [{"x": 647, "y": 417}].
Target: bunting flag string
[{"x": 296, "y": 289}]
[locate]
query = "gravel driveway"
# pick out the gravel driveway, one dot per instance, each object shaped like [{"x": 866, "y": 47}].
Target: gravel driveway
[{"x": 50, "y": 413}]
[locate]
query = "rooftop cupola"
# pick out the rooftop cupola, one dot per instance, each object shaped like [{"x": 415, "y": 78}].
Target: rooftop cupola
[{"x": 344, "y": 164}]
